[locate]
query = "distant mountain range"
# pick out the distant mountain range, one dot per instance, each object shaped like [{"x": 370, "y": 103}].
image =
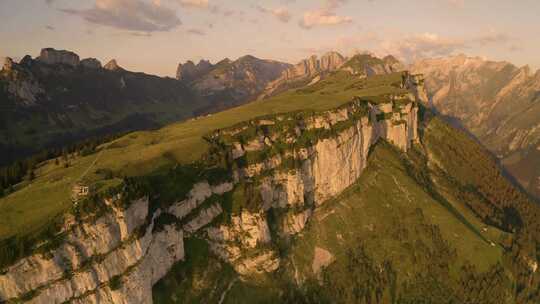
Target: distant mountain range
[
  {"x": 496, "y": 102},
  {"x": 228, "y": 83},
  {"x": 57, "y": 99}
]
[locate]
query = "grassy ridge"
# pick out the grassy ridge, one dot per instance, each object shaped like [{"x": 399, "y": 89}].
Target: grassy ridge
[{"x": 142, "y": 153}]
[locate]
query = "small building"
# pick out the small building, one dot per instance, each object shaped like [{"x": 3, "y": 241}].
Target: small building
[{"x": 79, "y": 190}]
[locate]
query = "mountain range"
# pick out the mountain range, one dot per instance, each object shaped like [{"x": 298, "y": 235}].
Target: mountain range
[
  {"x": 58, "y": 99},
  {"x": 336, "y": 180},
  {"x": 497, "y": 102}
]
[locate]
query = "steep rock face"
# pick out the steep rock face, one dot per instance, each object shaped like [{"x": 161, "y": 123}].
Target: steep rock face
[
  {"x": 365, "y": 65},
  {"x": 52, "y": 56},
  {"x": 8, "y": 64},
  {"x": 189, "y": 71},
  {"x": 496, "y": 101},
  {"x": 295, "y": 181},
  {"x": 112, "y": 66},
  {"x": 331, "y": 61},
  {"x": 20, "y": 83},
  {"x": 119, "y": 246},
  {"x": 91, "y": 63},
  {"x": 288, "y": 164}
]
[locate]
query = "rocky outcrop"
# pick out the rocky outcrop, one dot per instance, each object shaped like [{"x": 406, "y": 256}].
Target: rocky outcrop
[
  {"x": 112, "y": 66},
  {"x": 392, "y": 64},
  {"x": 8, "y": 64},
  {"x": 91, "y": 63},
  {"x": 304, "y": 70},
  {"x": 189, "y": 71},
  {"x": 52, "y": 56},
  {"x": 366, "y": 65},
  {"x": 114, "y": 259},
  {"x": 20, "y": 83},
  {"x": 331, "y": 61}
]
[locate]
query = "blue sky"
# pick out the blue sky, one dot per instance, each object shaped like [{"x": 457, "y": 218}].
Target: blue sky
[{"x": 154, "y": 35}]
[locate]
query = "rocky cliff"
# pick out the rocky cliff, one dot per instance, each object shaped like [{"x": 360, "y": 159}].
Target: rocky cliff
[
  {"x": 303, "y": 71},
  {"x": 189, "y": 71},
  {"x": 52, "y": 56},
  {"x": 292, "y": 163}
]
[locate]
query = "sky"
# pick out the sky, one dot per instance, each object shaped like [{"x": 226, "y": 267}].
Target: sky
[{"x": 153, "y": 36}]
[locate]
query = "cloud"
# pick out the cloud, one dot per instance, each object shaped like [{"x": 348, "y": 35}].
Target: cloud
[
  {"x": 131, "y": 15},
  {"x": 203, "y": 4},
  {"x": 282, "y": 14},
  {"x": 424, "y": 45},
  {"x": 325, "y": 16},
  {"x": 322, "y": 18},
  {"x": 194, "y": 31},
  {"x": 419, "y": 46}
]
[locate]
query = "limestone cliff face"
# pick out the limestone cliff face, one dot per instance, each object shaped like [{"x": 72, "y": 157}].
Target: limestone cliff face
[
  {"x": 119, "y": 247},
  {"x": 285, "y": 164},
  {"x": 112, "y": 66},
  {"x": 20, "y": 83},
  {"x": 52, "y": 56},
  {"x": 325, "y": 153}
]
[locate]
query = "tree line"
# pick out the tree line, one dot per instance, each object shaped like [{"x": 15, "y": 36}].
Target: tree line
[{"x": 24, "y": 169}]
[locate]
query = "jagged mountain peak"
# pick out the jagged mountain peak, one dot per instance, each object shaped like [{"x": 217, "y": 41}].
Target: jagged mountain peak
[
  {"x": 313, "y": 68},
  {"x": 8, "y": 64},
  {"x": 112, "y": 65},
  {"x": 248, "y": 58},
  {"x": 52, "y": 56}
]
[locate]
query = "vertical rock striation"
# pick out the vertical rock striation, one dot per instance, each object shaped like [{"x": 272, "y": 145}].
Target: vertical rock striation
[{"x": 52, "y": 56}]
